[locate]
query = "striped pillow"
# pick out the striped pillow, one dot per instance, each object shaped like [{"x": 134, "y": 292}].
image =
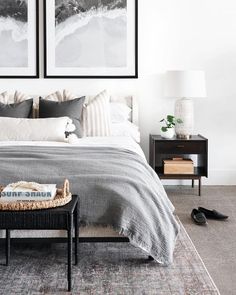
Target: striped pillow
[{"x": 96, "y": 116}]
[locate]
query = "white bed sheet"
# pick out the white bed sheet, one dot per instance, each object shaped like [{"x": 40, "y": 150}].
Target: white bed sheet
[{"x": 115, "y": 142}]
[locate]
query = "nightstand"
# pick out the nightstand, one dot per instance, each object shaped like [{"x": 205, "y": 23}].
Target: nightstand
[{"x": 195, "y": 148}]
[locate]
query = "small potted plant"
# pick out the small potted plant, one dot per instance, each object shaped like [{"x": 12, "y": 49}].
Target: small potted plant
[{"x": 168, "y": 131}]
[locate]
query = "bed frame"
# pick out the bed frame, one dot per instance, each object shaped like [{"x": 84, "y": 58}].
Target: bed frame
[{"x": 87, "y": 234}]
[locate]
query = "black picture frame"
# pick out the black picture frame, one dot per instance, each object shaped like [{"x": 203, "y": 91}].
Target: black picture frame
[
  {"x": 36, "y": 74},
  {"x": 51, "y": 76}
]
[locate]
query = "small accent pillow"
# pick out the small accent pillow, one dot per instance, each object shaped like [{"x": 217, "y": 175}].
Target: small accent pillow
[
  {"x": 71, "y": 108},
  {"x": 17, "y": 110},
  {"x": 96, "y": 116},
  {"x": 18, "y": 129}
]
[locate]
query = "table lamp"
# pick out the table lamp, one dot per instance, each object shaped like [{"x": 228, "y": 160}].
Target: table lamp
[{"x": 185, "y": 85}]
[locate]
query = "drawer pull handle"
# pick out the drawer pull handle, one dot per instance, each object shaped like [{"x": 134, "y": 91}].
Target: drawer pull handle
[{"x": 180, "y": 146}]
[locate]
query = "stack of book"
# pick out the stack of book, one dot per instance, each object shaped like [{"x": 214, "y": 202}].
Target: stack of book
[
  {"x": 178, "y": 166},
  {"x": 28, "y": 192}
]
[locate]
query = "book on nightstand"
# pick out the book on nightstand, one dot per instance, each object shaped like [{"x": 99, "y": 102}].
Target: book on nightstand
[{"x": 178, "y": 166}]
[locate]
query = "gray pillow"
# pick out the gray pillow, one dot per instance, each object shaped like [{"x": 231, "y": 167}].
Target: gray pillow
[
  {"x": 17, "y": 110},
  {"x": 70, "y": 108}
]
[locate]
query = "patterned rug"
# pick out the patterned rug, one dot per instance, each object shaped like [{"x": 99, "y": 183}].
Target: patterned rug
[{"x": 105, "y": 268}]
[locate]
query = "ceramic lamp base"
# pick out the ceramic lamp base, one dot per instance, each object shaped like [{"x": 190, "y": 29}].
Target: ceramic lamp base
[{"x": 184, "y": 111}]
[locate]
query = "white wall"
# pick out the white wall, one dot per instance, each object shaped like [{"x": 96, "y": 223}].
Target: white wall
[{"x": 183, "y": 34}]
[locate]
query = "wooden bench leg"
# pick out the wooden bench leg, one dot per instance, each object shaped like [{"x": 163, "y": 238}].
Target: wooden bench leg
[
  {"x": 8, "y": 246},
  {"x": 76, "y": 221},
  {"x": 69, "y": 250}
]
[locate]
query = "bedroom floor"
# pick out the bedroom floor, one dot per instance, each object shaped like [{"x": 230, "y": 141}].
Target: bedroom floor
[{"x": 216, "y": 242}]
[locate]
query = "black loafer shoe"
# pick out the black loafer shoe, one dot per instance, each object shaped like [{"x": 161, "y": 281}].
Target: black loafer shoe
[
  {"x": 212, "y": 214},
  {"x": 198, "y": 217}
]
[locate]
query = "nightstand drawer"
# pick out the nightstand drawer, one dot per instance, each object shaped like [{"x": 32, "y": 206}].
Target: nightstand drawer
[{"x": 182, "y": 147}]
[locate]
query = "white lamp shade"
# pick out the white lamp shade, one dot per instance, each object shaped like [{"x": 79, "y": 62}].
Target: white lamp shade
[{"x": 187, "y": 84}]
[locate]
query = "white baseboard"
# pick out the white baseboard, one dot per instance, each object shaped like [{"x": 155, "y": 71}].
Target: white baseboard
[
  {"x": 220, "y": 177},
  {"x": 215, "y": 177}
]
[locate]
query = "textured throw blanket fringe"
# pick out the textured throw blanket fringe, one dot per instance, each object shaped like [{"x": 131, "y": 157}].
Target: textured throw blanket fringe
[{"x": 117, "y": 188}]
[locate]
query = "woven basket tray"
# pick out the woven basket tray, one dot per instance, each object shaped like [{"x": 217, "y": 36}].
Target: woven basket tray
[{"x": 62, "y": 198}]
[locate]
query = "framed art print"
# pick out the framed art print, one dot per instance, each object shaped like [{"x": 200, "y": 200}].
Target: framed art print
[
  {"x": 19, "y": 53},
  {"x": 90, "y": 38}
]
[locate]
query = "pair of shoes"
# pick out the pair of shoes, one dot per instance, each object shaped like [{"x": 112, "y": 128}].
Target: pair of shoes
[
  {"x": 213, "y": 214},
  {"x": 201, "y": 214}
]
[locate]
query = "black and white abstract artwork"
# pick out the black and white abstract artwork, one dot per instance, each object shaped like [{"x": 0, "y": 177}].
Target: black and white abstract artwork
[
  {"x": 18, "y": 38},
  {"x": 90, "y": 38}
]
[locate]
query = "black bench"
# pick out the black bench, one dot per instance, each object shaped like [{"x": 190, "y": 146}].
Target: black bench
[{"x": 60, "y": 218}]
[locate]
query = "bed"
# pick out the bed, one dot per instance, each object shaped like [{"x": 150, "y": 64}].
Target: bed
[{"x": 122, "y": 198}]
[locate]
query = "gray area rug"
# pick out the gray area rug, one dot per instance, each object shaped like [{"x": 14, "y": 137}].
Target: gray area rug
[{"x": 104, "y": 268}]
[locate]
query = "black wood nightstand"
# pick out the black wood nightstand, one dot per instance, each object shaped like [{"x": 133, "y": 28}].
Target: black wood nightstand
[{"x": 195, "y": 148}]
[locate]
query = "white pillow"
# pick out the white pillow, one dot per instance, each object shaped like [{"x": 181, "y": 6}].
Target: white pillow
[
  {"x": 126, "y": 129},
  {"x": 96, "y": 116},
  {"x": 18, "y": 129},
  {"x": 120, "y": 112}
]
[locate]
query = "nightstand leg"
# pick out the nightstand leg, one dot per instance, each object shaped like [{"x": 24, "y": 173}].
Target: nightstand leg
[
  {"x": 8, "y": 246},
  {"x": 200, "y": 186},
  {"x": 192, "y": 183}
]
